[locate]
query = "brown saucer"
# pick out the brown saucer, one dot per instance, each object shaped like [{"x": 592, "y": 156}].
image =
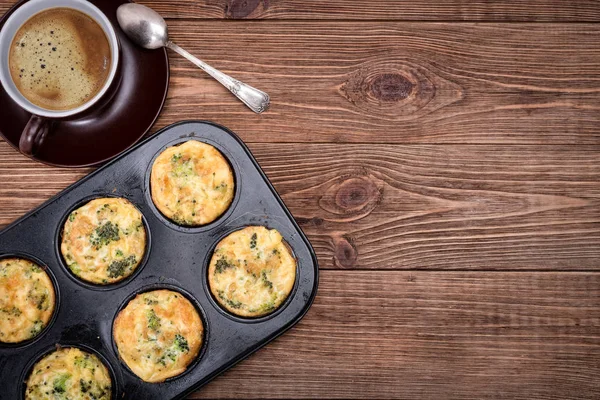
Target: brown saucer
[{"x": 112, "y": 129}]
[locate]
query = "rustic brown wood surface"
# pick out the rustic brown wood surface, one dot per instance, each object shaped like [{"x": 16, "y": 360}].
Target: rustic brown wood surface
[
  {"x": 374, "y": 82},
  {"x": 420, "y": 10},
  {"x": 446, "y": 172}
]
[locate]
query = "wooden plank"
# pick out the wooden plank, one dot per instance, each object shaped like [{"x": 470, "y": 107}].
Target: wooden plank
[
  {"x": 395, "y": 82},
  {"x": 431, "y": 335},
  {"x": 25, "y": 184},
  {"x": 401, "y": 10},
  {"x": 472, "y": 207},
  {"x": 443, "y": 207},
  {"x": 397, "y": 10}
]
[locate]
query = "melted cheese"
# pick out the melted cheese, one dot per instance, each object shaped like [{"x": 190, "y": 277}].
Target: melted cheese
[
  {"x": 252, "y": 271},
  {"x": 69, "y": 374},
  {"x": 26, "y": 300},
  {"x": 158, "y": 334},
  {"x": 192, "y": 184},
  {"x": 104, "y": 240}
]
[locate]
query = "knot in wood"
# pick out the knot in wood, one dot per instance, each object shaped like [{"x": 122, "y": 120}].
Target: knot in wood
[
  {"x": 391, "y": 87},
  {"x": 345, "y": 253},
  {"x": 237, "y": 9},
  {"x": 352, "y": 196},
  {"x": 356, "y": 193},
  {"x": 398, "y": 90}
]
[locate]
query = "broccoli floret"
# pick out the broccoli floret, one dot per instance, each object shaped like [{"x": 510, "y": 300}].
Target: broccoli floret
[
  {"x": 150, "y": 301},
  {"x": 153, "y": 320},
  {"x": 175, "y": 157},
  {"x": 37, "y": 328},
  {"x": 231, "y": 303},
  {"x": 39, "y": 298},
  {"x": 104, "y": 234},
  {"x": 181, "y": 344},
  {"x": 183, "y": 168},
  {"x": 253, "y": 241},
  {"x": 267, "y": 306},
  {"x": 42, "y": 301},
  {"x": 222, "y": 264},
  {"x": 60, "y": 383},
  {"x": 35, "y": 268},
  {"x": 118, "y": 268},
  {"x": 234, "y": 304},
  {"x": 11, "y": 311},
  {"x": 84, "y": 386},
  {"x": 82, "y": 362},
  {"x": 170, "y": 354},
  {"x": 266, "y": 280}
]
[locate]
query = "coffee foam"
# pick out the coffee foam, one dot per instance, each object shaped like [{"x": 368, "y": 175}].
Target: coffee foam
[{"x": 60, "y": 59}]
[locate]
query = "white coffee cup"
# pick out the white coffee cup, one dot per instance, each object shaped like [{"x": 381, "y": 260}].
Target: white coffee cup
[{"x": 41, "y": 119}]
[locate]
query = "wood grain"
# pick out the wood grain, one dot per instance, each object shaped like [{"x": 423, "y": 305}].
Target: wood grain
[
  {"x": 384, "y": 10},
  {"x": 446, "y": 172},
  {"x": 431, "y": 335},
  {"x": 410, "y": 206},
  {"x": 443, "y": 207},
  {"x": 398, "y": 10},
  {"x": 395, "y": 82},
  {"x": 25, "y": 184}
]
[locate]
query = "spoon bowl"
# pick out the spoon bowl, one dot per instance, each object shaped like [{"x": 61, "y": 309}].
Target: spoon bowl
[{"x": 143, "y": 25}]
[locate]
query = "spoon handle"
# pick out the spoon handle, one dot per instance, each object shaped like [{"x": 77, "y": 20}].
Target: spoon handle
[{"x": 257, "y": 100}]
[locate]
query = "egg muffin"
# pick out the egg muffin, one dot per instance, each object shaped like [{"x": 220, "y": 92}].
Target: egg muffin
[
  {"x": 26, "y": 300},
  {"x": 104, "y": 241},
  {"x": 158, "y": 334},
  {"x": 252, "y": 271},
  {"x": 192, "y": 184},
  {"x": 69, "y": 373}
]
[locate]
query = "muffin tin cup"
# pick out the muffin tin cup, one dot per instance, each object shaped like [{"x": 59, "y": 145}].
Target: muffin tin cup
[
  {"x": 184, "y": 293},
  {"x": 83, "y": 282},
  {"x": 176, "y": 258},
  {"x": 195, "y": 228},
  {"x": 215, "y": 303},
  {"x": 52, "y": 277},
  {"x": 115, "y": 392}
]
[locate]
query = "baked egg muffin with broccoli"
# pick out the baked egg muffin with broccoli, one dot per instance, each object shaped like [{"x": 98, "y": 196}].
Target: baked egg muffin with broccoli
[
  {"x": 192, "y": 183},
  {"x": 26, "y": 300},
  {"x": 104, "y": 241},
  {"x": 158, "y": 334},
  {"x": 252, "y": 271},
  {"x": 69, "y": 373}
]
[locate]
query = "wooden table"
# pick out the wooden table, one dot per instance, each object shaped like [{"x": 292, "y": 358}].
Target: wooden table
[{"x": 444, "y": 159}]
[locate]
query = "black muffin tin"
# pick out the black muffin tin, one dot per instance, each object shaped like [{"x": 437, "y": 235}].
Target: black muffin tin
[{"x": 176, "y": 258}]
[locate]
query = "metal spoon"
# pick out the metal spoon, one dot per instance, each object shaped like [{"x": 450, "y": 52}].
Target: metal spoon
[{"x": 148, "y": 29}]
